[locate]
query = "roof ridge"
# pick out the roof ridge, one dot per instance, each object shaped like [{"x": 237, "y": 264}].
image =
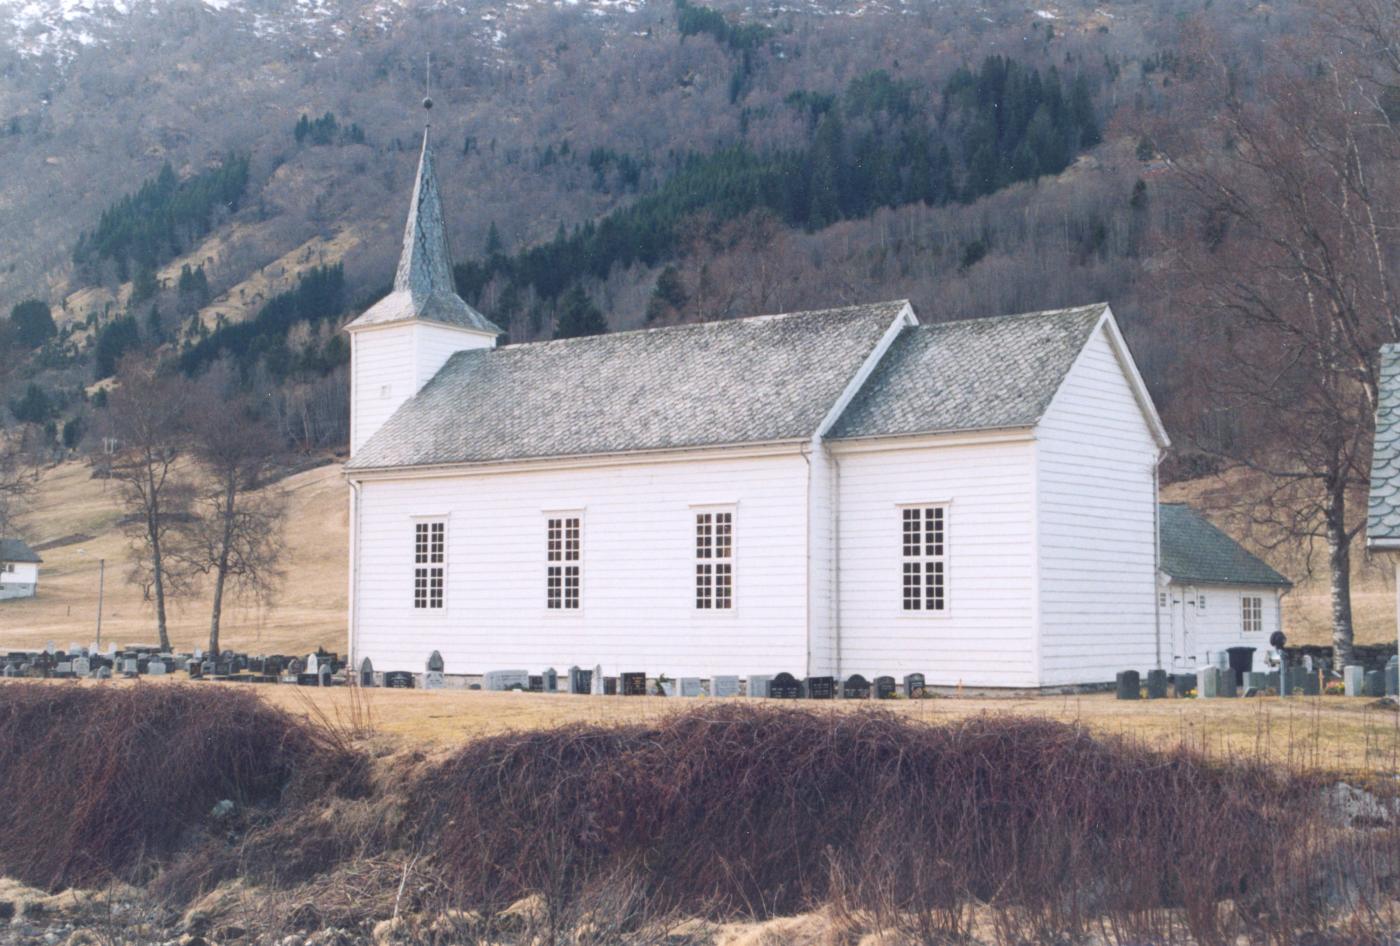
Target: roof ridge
[
  {"x": 709, "y": 323},
  {"x": 1042, "y": 313}
]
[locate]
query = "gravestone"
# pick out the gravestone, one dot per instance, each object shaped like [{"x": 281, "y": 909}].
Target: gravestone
[
  {"x": 580, "y": 681},
  {"x": 1273, "y": 681},
  {"x": 195, "y": 670},
  {"x": 1392, "y": 677},
  {"x": 1312, "y": 684},
  {"x": 1228, "y": 689},
  {"x": 63, "y": 668},
  {"x": 1354, "y": 678},
  {"x": 1256, "y": 681},
  {"x": 596, "y": 682},
  {"x": 156, "y": 668},
  {"x": 610, "y": 686},
  {"x": 308, "y": 679},
  {"x": 1182, "y": 684},
  {"x": 821, "y": 688},
  {"x": 665, "y": 687},
  {"x": 324, "y": 675},
  {"x": 785, "y": 686},
  {"x": 1156, "y": 684},
  {"x": 914, "y": 685},
  {"x": 691, "y": 687},
  {"x": 129, "y": 666},
  {"x": 103, "y": 673},
  {"x": 50, "y": 648},
  {"x": 634, "y": 684},
  {"x": 885, "y": 688},
  {"x": 1208, "y": 678},
  {"x": 11, "y": 670},
  {"x": 760, "y": 685},
  {"x": 551, "y": 680},
  {"x": 366, "y": 672},
  {"x": 855, "y": 687},
  {"x": 399, "y": 680},
  {"x": 1374, "y": 683},
  {"x": 433, "y": 672},
  {"x": 498, "y": 681},
  {"x": 1129, "y": 685},
  {"x": 724, "y": 685},
  {"x": 536, "y": 684},
  {"x": 312, "y": 664}
]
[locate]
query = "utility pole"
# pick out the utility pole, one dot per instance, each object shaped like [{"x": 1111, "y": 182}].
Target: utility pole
[{"x": 101, "y": 582}]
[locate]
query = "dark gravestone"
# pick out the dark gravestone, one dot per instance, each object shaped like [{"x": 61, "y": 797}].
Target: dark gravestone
[
  {"x": 610, "y": 686},
  {"x": 1374, "y": 683},
  {"x": 885, "y": 688},
  {"x": 195, "y": 670},
  {"x": 821, "y": 688},
  {"x": 1182, "y": 684},
  {"x": 366, "y": 672},
  {"x": 914, "y": 685},
  {"x": 308, "y": 679},
  {"x": 855, "y": 687},
  {"x": 536, "y": 683},
  {"x": 1156, "y": 684},
  {"x": 1310, "y": 683},
  {"x": 551, "y": 680},
  {"x": 399, "y": 680},
  {"x": 325, "y": 675},
  {"x": 634, "y": 684},
  {"x": 580, "y": 681},
  {"x": 1129, "y": 685},
  {"x": 785, "y": 686}
]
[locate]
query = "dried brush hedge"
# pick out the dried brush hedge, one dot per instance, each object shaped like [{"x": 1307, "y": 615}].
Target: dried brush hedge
[
  {"x": 97, "y": 781},
  {"x": 1045, "y": 829}
]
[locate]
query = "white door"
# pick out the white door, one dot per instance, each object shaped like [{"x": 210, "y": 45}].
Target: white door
[{"x": 1183, "y": 604}]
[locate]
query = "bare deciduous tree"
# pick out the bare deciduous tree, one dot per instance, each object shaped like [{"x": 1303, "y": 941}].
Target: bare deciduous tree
[
  {"x": 1286, "y": 279},
  {"x": 235, "y": 536},
  {"x": 146, "y": 416}
]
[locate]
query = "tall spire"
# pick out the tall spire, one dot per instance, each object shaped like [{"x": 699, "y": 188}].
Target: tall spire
[
  {"x": 423, "y": 286},
  {"x": 425, "y": 265}
]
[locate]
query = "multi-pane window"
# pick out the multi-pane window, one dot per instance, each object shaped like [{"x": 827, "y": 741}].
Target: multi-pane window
[
  {"x": 563, "y": 554},
  {"x": 429, "y": 557},
  {"x": 924, "y": 558},
  {"x": 714, "y": 560},
  {"x": 1251, "y": 613}
]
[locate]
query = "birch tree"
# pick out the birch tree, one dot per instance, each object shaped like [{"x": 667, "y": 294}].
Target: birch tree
[{"x": 1285, "y": 275}]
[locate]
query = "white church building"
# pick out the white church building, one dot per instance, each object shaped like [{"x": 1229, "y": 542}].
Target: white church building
[{"x": 841, "y": 491}]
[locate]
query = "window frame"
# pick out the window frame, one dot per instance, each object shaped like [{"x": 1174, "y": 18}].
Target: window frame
[
  {"x": 563, "y": 563},
  {"x": 1257, "y": 615},
  {"x": 945, "y": 558},
  {"x": 428, "y": 566},
  {"x": 713, "y": 561}
]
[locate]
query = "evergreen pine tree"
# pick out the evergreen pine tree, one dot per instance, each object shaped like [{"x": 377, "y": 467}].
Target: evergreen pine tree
[
  {"x": 578, "y": 316},
  {"x": 32, "y": 322}
]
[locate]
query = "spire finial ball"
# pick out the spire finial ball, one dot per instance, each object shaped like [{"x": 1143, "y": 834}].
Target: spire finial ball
[{"x": 427, "y": 103}]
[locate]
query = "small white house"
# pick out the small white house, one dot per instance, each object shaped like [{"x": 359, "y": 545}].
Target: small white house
[
  {"x": 19, "y": 570},
  {"x": 849, "y": 490},
  {"x": 1213, "y": 594}
]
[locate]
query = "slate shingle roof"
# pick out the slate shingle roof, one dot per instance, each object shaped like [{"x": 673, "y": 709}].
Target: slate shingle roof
[
  {"x": 15, "y": 550},
  {"x": 1383, "y": 508},
  {"x": 981, "y": 374},
  {"x": 766, "y": 379},
  {"x": 1194, "y": 550},
  {"x": 423, "y": 287}
]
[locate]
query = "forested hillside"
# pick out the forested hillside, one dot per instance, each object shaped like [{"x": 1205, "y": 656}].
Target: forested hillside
[{"x": 213, "y": 182}]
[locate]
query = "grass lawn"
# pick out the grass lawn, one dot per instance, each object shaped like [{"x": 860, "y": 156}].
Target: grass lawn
[{"x": 1332, "y": 733}]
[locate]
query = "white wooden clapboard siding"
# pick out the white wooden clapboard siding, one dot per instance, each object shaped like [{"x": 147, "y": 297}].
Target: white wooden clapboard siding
[
  {"x": 1095, "y": 464},
  {"x": 987, "y": 636},
  {"x": 821, "y": 549},
  {"x": 638, "y": 575},
  {"x": 1217, "y": 624},
  {"x": 382, "y": 378},
  {"x": 21, "y": 582}
]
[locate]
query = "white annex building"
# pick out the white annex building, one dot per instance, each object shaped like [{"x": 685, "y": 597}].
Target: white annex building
[
  {"x": 19, "y": 570},
  {"x": 830, "y": 492}
]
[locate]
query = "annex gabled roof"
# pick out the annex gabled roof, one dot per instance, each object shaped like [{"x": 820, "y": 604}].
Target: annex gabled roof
[
  {"x": 15, "y": 550},
  {"x": 1383, "y": 507},
  {"x": 1194, "y": 550},
  {"x": 755, "y": 380},
  {"x": 979, "y": 374},
  {"x": 423, "y": 287}
]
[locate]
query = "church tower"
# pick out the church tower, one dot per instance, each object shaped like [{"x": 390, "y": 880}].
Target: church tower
[{"x": 401, "y": 341}]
